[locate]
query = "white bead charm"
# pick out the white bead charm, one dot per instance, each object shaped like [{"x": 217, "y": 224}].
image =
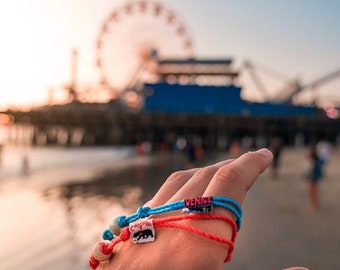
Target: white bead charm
[
  {"x": 114, "y": 226},
  {"x": 98, "y": 255}
]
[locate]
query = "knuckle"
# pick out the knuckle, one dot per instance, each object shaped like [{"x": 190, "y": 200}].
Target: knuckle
[
  {"x": 228, "y": 174},
  {"x": 177, "y": 176},
  {"x": 207, "y": 171}
]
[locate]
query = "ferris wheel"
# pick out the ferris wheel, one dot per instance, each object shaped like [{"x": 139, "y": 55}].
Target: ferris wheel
[{"x": 133, "y": 37}]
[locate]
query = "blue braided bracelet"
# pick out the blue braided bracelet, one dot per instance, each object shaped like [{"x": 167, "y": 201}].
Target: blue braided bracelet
[{"x": 196, "y": 205}]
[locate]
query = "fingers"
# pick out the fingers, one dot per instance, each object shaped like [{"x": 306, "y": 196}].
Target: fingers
[
  {"x": 197, "y": 184},
  {"x": 185, "y": 184},
  {"x": 174, "y": 183},
  {"x": 236, "y": 178},
  {"x": 229, "y": 178}
]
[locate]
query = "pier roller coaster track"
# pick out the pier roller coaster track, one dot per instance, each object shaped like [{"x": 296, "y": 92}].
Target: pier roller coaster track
[{"x": 132, "y": 36}]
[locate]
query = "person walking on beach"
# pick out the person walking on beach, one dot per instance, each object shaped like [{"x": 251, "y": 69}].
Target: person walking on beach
[
  {"x": 323, "y": 149},
  {"x": 314, "y": 175},
  {"x": 276, "y": 148},
  {"x": 194, "y": 151}
]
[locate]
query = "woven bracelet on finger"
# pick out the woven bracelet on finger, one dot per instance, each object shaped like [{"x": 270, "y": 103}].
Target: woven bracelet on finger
[
  {"x": 194, "y": 205},
  {"x": 144, "y": 231}
]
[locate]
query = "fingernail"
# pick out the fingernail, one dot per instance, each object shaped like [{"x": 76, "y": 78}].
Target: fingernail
[{"x": 265, "y": 152}]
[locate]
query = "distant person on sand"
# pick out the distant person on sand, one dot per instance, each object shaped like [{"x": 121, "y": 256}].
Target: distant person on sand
[
  {"x": 234, "y": 148},
  {"x": 194, "y": 152},
  {"x": 25, "y": 165},
  {"x": 191, "y": 153},
  {"x": 314, "y": 175},
  {"x": 276, "y": 148},
  {"x": 323, "y": 149}
]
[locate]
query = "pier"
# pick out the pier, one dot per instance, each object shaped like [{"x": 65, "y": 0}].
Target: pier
[
  {"x": 178, "y": 105},
  {"x": 78, "y": 124}
]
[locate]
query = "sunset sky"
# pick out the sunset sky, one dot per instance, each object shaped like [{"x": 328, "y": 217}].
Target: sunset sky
[{"x": 294, "y": 38}]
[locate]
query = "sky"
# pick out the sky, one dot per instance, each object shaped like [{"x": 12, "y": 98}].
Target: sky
[{"x": 283, "y": 39}]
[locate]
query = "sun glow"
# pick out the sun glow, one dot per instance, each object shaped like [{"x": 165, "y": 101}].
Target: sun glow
[
  {"x": 35, "y": 55},
  {"x": 20, "y": 61}
]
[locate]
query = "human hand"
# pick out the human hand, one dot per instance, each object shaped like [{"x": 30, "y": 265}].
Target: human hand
[{"x": 179, "y": 249}]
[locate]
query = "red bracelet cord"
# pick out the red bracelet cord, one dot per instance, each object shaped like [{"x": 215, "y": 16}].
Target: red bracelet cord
[{"x": 103, "y": 250}]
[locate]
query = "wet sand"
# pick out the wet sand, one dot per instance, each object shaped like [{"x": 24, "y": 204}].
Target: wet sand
[
  {"x": 280, "y": 229},
  {"x": 51, "y": 218},
  {"x": 54, "y": 226}
]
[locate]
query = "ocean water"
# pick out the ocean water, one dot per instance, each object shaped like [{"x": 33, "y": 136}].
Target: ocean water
[
  {"x": 52, "y": 212},
  {"x": 12, "y": 159}
]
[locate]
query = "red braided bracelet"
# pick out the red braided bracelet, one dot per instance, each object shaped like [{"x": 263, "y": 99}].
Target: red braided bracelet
[{"x": 142, "y": 232}]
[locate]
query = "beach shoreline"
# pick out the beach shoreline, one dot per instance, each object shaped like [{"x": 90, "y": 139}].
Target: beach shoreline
[{"x": 278, "y": 222}]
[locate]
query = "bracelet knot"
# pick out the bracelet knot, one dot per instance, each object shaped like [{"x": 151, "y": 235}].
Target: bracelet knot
[
  {"x": 125, "y": 234},
  {"x": 122, "y": 221},
  {"x": 107, "y": 235},
  {"x": 143, "y": 212}
]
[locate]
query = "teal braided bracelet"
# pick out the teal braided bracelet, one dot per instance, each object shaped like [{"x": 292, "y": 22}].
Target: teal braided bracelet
[{"x": 194, "y": 205}]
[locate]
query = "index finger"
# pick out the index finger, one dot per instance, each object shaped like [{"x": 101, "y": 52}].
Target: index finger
[{"x": 236, "y": 178}]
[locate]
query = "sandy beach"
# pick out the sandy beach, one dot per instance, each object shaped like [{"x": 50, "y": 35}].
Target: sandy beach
[
  {"x": 51, "y": 218},
  {"x": 281, "y": 229}
]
